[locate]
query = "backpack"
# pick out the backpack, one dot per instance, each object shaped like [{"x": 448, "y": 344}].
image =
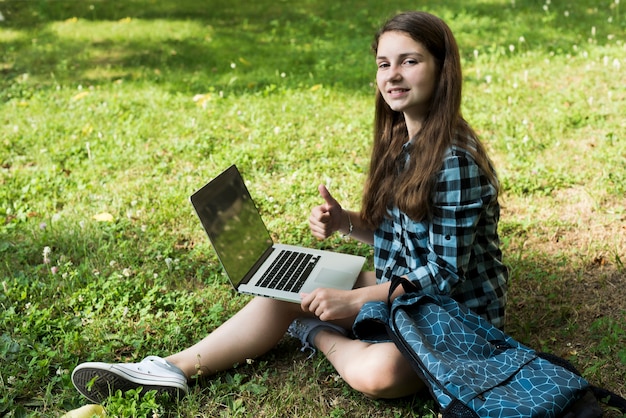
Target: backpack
[{"x": 473, "y": 369}]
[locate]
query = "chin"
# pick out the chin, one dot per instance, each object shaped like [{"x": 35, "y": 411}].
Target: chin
[{"x": 397, "y": 108}]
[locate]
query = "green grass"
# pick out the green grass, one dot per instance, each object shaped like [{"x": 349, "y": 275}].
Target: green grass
[{"x": 120, "y": 110}]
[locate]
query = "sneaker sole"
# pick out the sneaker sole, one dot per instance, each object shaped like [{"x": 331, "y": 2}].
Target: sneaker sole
[{"x": 107, "y": 381}]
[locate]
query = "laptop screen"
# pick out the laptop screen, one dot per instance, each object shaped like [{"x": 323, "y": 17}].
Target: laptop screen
[{"x": 232, "y": 222}]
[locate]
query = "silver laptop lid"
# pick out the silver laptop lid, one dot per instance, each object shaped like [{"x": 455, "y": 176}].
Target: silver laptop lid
[{"x": 233, "y": 224}]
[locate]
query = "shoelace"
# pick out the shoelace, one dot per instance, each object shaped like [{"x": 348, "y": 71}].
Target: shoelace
[{"x": 297, "y": 330}]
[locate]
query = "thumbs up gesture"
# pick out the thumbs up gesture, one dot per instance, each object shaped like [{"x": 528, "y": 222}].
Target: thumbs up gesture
[{"x": 326, "y": 218}]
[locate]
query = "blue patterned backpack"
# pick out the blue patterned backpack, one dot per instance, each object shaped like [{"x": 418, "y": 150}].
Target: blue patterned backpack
[{"x": 472, "y": 368}]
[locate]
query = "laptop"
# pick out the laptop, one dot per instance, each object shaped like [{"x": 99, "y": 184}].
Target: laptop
[{"x": 254, "y": 264}]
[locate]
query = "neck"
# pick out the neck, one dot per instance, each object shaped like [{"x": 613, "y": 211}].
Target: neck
[{"x": 413, "y": 126}]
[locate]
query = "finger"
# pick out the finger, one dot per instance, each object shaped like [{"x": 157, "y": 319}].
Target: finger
[
  {"x": 328, "y": 198},
  {"x": 316, "y": 229},
  {"x": 305, "y": 302},
  {"x": 319, "y": 225},
  {"x": 321, "y": 235},
  {"x": 319, "y": 216},
  {"x": 318, "y": 234}
]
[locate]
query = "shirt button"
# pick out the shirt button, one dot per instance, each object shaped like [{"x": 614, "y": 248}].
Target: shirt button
[{"x": 447, "y": 237}]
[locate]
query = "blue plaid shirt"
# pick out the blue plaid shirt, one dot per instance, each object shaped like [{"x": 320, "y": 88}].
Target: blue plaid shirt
[{"x": 457, "y": 251}]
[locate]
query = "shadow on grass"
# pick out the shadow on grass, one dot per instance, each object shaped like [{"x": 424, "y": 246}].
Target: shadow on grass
[
  {"x": 574, "y": 312},
  {"x": 269, "y": 42}
]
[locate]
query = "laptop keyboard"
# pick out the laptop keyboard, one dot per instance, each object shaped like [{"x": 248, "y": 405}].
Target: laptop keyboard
[{"x": 289, "y": 271}]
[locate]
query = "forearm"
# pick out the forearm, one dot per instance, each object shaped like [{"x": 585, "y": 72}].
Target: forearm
[
  {"x": 352, "y": 225},
  {"x": 378, "y": 292}
]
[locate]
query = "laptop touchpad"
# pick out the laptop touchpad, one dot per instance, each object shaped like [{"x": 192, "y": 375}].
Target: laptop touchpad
[{"x": 333, "y": 278}]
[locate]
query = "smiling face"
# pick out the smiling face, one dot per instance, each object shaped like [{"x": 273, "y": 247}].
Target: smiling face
[{"x": 407, "y": 76}]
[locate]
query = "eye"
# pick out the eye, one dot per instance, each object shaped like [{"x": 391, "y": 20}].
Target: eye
[
  {"x": 383, "y": 64},
  {"x": 410, "y": 61}
]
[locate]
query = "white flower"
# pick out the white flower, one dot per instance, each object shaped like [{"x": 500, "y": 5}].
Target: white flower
[{"x": 46, "y": 254}]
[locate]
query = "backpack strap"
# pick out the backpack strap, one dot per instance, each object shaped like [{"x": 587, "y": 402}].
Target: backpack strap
[
  {"x": 609, "y": 398},
  {"x": 409, "y": 286}
]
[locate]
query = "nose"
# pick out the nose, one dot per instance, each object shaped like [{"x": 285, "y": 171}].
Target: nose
[{"x": 393, "y": 73}]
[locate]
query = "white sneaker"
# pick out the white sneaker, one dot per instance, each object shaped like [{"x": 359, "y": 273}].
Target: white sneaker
[
  {"x": 305, "y": 329},
  {"x": 97, "y": 381}
]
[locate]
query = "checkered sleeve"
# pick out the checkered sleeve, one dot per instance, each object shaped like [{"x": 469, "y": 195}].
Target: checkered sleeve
[{"x": 462, "y": 192}]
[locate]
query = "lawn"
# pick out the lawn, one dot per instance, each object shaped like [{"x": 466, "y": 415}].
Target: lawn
[{"x": 113, "y": 113}]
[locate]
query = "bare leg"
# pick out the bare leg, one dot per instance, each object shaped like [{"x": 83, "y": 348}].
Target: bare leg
[
  {"x": 251, "y": 332},
  {"x": 376, "y": 370}
]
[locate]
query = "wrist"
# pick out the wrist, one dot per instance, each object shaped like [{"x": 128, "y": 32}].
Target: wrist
[
  {"x": 361, "y": 296},
  {"x": 349, "y": 226}
]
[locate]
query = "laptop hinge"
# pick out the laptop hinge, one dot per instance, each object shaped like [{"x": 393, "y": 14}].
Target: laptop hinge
[{"x": 256, "y": 266}]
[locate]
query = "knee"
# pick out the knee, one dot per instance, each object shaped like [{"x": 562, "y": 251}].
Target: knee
[{"x": 382, "y": 379}]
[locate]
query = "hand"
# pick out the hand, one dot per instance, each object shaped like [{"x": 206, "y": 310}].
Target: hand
[
  {"x": 330, "y": 304},
  {"x": 326, "y": 218}
]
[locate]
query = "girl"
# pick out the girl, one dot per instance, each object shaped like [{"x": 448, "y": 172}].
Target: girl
[{"x": 430, "y": 209}]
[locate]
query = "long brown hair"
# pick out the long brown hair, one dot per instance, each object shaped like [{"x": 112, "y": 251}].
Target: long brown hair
[{"x": 411, "y": 190}]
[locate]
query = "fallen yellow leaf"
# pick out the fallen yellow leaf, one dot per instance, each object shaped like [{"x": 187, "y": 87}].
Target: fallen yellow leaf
[
  {"x": 202, "y": 99},
  {"x": 103, "y": 217},
  {"x": 86, "y": 411},
  {"x": 80, "y": 95}
]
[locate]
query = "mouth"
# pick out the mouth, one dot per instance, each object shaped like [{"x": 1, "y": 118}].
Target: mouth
[{"x": 397, "y": 91}]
